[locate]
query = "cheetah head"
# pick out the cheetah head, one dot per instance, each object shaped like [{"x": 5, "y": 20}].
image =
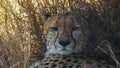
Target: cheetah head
[{"x": 65, "y": 33}]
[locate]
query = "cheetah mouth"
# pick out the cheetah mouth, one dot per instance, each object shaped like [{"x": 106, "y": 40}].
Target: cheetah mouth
[{"x": 63, "y": 49}]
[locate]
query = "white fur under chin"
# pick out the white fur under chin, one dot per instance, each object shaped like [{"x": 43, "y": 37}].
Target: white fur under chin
[{"x": 53, "y": 50}]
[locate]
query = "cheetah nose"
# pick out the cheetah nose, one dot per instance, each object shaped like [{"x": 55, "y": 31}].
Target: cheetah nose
[{"x": 64, "y": 43}]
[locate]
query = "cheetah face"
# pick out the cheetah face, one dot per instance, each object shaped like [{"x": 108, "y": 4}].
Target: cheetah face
[{"x": 64, "y": 34}]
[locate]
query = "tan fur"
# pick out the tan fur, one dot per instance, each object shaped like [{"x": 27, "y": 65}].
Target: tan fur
[
  {"x": 71, "y": 57},
  {"x": 72, "y": 61},
  {"x": 64, "y": 23},
  {"x": 48, "y": 22}
]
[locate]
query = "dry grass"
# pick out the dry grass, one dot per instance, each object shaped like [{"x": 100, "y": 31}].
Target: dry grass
[
  {"x": 105, "y": 47},
  {"x": 14, "y": 37},
  {"x": 21, "y": 38}
]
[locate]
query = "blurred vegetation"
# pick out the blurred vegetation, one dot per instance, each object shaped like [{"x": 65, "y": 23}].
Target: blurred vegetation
[{"x": 21, "y": 38}]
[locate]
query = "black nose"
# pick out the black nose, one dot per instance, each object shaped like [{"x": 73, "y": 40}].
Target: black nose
[{"x": 64, "y": 43}]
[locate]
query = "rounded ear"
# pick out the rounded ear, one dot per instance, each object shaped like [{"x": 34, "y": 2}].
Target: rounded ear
[
  {"x": 44, "y": 16},
  {"x": 86, "y": 14}
]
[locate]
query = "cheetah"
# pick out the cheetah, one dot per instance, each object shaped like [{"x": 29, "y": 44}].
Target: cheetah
[{"x": 66, "y": 36}]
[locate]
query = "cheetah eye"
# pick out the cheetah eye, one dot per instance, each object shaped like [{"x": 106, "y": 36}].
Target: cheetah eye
[
  {"x": 75, "y": 28},
  {"x": 54, "y": 28}
]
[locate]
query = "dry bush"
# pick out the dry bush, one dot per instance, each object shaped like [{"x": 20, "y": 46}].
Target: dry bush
[
  {"x": 14, "y": 36},
  {"x": 21, "y": 38}
]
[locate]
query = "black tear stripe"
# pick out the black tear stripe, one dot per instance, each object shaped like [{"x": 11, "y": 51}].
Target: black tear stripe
[
  {"x": 56, "y": 38},
  {"x": 73, "y": 39},
  {"x": 72, "y": 36}
]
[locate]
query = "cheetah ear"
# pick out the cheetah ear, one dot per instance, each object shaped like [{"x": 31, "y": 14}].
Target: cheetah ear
[
  {"x": 88, "y": 17},
  {"x": 86, "y": 14},
  {"x": 44, "y": 16}
]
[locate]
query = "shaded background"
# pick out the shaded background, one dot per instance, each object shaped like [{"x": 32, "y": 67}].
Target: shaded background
[{"x": 22, "y": 40}]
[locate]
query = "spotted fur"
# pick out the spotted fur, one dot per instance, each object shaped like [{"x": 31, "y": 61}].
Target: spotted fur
[
  {"x": 72, "y": 61},
  {"x": 66, "y": 35}
]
